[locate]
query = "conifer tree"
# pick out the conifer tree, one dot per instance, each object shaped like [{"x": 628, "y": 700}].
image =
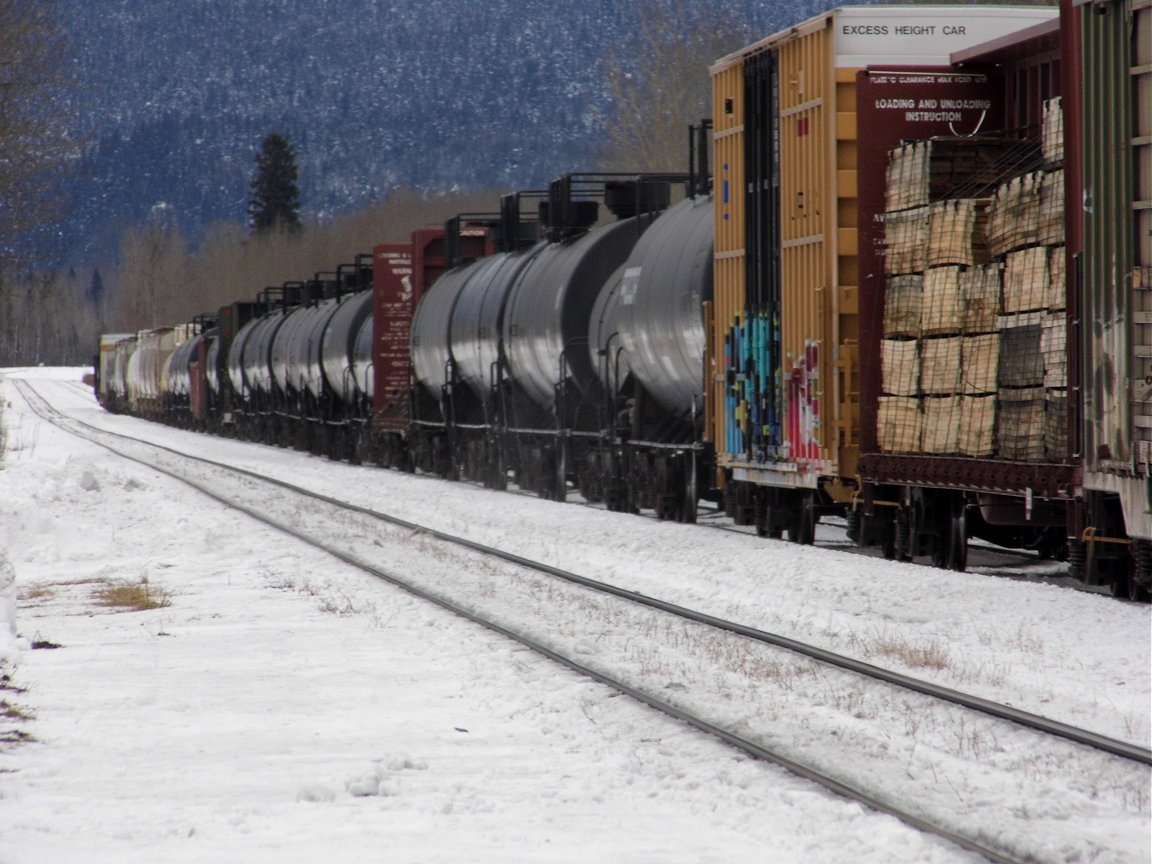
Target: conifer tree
[{"x": 275, "y": 200}]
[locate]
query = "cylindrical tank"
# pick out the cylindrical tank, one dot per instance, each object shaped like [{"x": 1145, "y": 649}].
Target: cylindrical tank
[
  {"x": 548, "y": 309},
  {"x": 257, "y": 355},
  {"x": 605, "y": 348},
  {"x": 118, "y": 382},
  {"x": 337, "y": 349},
  {"x": 177, "y": 376},
  {"x": 284, "y": 373},
  {"x": 235, "y": 365},
  {"x": 477, "y": 314},
  {"x": 432, "y": 327},
  {"x": 213, "y": 362},
  {"x": 312, "y": 346},
  {"x": 362, "y": 359},
  {"x": 154, "y": 347},
  {"x": 666, "y": 281}
]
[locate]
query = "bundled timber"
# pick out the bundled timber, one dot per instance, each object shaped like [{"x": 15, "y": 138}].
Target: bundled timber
[
  {"x": 1026, "y": 280},
  {"x": 1014, "y": 215},
  {"x": 980, "y": 362},
  {"x": 977, "y": 423},
  {"x": 906, "y": 240},
  {"x": 1057, "y": 278},
  {"x": 1021, "y": 362},
  {"x": 899, "y": 424},
  {"x": 957, "y": 232},
  {"x": 980, "y": 287},
  {"x": 940, "y": 366},
  {"x": 941, "y": 432},
  {"x": 922, "y": 172},
  {"x": 1020, "y": 424},
  {"x": 1054, "y": 348},
  {"x": 1052, "y": 133},
  {"x": 1056, "y": 425},
  {"x": 900, "y": 367},
  {"x": 943, "y": 303},
  {"x": 903, "y": 301},
  {"x": 1050, "y": 229}
]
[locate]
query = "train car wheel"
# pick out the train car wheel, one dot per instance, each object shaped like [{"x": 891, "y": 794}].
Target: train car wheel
[
  {"x": 957, "y": 552},
  {"x": 803, "y": 529}
]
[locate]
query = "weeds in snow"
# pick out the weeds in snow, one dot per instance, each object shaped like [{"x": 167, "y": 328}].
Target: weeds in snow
[
  {"x": 930, "y": 656},
  {"x": 329, "y": 599},
  {"x": 34, "y": 593},
  {"x": 137, "y": 596}
]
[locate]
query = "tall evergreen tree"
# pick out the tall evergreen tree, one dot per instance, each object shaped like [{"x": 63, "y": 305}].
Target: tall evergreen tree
[
  {"x": 275, "y": 200},
  {"x": 95, "y": 292}
]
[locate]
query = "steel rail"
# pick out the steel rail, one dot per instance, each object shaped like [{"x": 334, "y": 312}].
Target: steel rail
[{"x": 1116, "y": 747}]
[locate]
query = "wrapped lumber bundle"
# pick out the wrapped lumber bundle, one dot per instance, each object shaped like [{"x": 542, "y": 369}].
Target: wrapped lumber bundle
[
  {"x": 1056, "y": 425},
  {"x": 977, "y": 423},
  {"x": 941, "y": 434},
  {"x": 1054, "y": 348},
  {"x": 940, "y": 366},
  {"x": 900, "y": 363},
  {"x": 906, "y": 177},
  {"x": 903, "y": 301},
  {"x": 1020, "y": 424},
  {"x": 1021, "y": 363},
  {"x": 1014, "y": 215},
  {"x": 1057, "y": 279},
  {"x": 1026, "y": 280},
  {"x": 1051, "y": 219},
  {"x": 980, "y": 364},
  {"x": 1052, "y": 133},
  {"x": 899, "y": 424},
  {"x": 905, "y": 240},
  {"x": 980, "y": 287},
  {"x": 922, "y": 172},
  {"x": 943, "y": 302},
  {"x": 957, "y": 232}
]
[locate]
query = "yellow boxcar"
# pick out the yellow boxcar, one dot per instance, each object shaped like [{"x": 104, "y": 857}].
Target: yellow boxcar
[{"x": 790, "y": 161}]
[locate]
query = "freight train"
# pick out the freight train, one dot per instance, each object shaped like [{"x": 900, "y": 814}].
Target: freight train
[{"x": 907, "y": 279}]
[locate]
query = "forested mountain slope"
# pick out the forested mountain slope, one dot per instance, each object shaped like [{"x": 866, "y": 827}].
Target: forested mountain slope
[{"x": 173, "y": 99}]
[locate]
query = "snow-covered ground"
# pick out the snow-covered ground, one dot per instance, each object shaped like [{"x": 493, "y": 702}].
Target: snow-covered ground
[{"x": 284, "y": 707}]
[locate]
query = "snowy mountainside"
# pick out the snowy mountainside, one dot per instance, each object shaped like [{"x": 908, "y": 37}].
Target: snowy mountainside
[{"x": 175, "y": 98}]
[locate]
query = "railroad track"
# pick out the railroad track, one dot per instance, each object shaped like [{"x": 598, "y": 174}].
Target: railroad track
[{"x": 630, "y": 613}]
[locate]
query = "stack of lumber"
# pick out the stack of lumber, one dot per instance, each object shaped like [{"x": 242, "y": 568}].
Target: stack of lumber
[
  {"x": 921, "y": 172},
  {"x": 957, "y": 232},
  {"x": 974, "y": 349},
  {"x": 1052, "y": 134},
  {"x": 1014, "y": 215}
]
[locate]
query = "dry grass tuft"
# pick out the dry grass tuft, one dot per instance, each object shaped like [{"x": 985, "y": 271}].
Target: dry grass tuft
[
  {"x": 136, "y": 596},
  {"x": 35, "y": 592},
  {"x": 930, "y": 656}
]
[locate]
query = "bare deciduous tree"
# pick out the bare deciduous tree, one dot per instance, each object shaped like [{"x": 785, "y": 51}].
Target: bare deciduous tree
[{"x": 660, "y": 85}]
